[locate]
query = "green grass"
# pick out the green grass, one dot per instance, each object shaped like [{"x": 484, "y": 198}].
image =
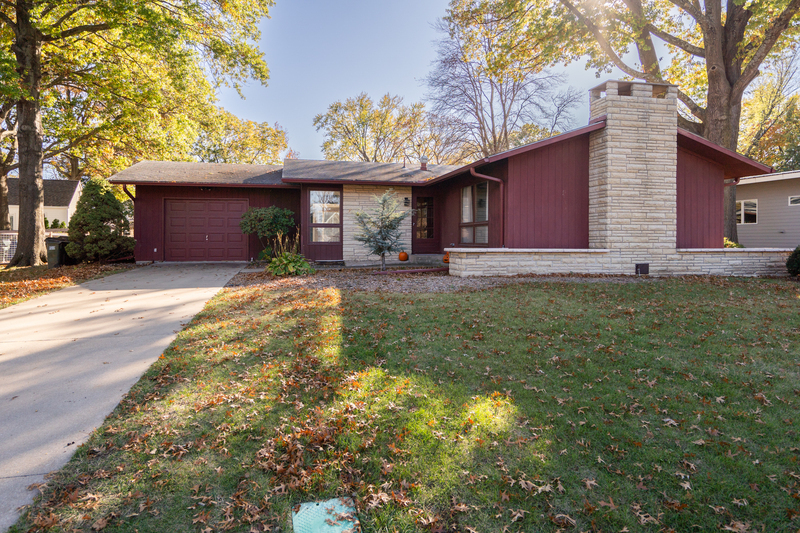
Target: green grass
[{"x": 659, "y": 406}]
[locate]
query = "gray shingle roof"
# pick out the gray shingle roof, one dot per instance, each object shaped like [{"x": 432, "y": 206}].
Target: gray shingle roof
[
  {"x": 57, "y": 193},
  {"x": 357, "y": 171},
  {"x": 178, "y": 173}
]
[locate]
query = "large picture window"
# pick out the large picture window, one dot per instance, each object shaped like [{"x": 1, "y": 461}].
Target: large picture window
[
  {"x": 747, "y": 212},
  {"x": 325, "y": 213},
  {"x": 474, "y": 226}
]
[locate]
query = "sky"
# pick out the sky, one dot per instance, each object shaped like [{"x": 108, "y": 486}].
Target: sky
[{"x": 320, "y": 51}]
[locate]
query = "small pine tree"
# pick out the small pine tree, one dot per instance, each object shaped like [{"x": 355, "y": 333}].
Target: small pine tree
[
  {"x": 97, "y": 230},
  {"x": 380, "y": 230}
]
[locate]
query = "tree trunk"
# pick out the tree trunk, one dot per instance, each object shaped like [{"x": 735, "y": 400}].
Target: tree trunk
[
  {"x": 721, "y": 126},
  {"x": 5, "y": 217},
  {"x": 383, "y": 262},
  {"x": 27, "y": 49}
]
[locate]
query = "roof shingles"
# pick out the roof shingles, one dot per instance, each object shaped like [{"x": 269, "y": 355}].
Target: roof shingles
[
  {"x": 57, "y": 193},
  {"x": 183, "y": 173}
]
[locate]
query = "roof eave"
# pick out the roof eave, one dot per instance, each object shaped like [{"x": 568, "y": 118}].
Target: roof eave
[
  {"x": 351, "y": 182},
  {"x": 205, "y": 184},
  {"x": 726, "y": 157}
]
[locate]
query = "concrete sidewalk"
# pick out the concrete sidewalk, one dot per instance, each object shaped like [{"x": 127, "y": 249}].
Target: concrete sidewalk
[{"x": 66, "y": 359}]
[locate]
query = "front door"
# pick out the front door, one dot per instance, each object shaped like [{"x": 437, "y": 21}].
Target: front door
[{"x": 424, "y": 229}]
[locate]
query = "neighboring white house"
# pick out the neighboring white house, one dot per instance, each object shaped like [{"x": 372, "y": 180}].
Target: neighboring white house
[
  {"x": 60, "y": 199},
  {"x": 768, "y": 210}
]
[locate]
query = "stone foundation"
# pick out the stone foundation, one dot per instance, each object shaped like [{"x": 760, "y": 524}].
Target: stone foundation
[{"x": 466, "y": 262}]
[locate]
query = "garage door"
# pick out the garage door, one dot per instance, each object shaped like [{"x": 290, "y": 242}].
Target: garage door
[{"x": 204, "y": 230}]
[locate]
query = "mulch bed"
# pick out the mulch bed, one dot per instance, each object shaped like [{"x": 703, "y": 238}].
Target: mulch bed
[{"x": 363, "y": 280}]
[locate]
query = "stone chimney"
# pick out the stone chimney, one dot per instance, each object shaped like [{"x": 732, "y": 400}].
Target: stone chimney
[
  {"x": 423, "y": 163},
  {"x": 632, "y": 170}
]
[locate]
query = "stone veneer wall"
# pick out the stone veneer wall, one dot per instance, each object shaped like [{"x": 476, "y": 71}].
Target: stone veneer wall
[
  {"x": 632, "y": 169},
  {"x": 361, "y": 198},
  {"x": 632, "y": 202},
  {"x": 465, "y": 262}
]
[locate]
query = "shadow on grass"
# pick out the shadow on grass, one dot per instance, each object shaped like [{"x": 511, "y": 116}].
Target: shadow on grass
[{"x": 658, "y": 406}]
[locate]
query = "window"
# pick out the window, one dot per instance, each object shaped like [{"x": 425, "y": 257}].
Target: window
[
  {"x": 794, "y": 200},
  {"x": 425, "y": 222},
  {"x": 475, "y": 214},
  {"x": 747, "y": 212},
  {"x": 325, "y": 213}
]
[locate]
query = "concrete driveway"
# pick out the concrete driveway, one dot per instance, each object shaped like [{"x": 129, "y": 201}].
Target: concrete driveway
[{"x": 66, "y": 359}]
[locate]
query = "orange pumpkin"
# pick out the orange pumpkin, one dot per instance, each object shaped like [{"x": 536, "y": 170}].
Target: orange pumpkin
[
  {"x": 403, "y": 256},
  {"x": 446, "y": 258}
]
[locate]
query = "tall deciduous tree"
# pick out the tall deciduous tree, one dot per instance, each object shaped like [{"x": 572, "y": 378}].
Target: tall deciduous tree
[
  {"x": 358, "y": 129},
  {"x": 714, "y": 48},
  {"x": 221, "y": 33},
  {"x": 8, "y": 152},
  {"x": 771, "y": 115},
  {"x": 225, "y": 138},
  {"x": 491, "y": 92}
]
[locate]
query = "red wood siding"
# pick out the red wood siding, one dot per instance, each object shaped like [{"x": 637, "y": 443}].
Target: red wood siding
[
  {"x": 699, "y": 202},
  {"x": 150, "y": 208},
  {"x": 548, "y": 196},
  {"x": 449, "y": 196},
  {"x": 204, "y": 230}
]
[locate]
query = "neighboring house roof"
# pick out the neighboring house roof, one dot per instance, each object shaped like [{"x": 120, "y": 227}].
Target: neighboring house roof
[
  {"x": 183, "y": 173},
  {"x": 57, "y": 193},
  {"x": 310, "y": 171},
  {"x": 778, "y": 176}
]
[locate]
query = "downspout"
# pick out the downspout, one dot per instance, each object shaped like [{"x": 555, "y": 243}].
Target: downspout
[
  {"x": 734, "y": 182},
  {"x": 125, "y": 189},
  {"x": 502, "y": 203}
]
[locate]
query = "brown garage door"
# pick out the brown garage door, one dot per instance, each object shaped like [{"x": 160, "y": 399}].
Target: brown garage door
[{"x": 204, "y": 230}]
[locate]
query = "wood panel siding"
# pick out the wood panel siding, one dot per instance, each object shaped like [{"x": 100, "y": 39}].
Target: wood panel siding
[
  {"x": 149, "y": 212},
  {"x": 448, "y": 194},
  {"x": 778, "y": 223},
  {"x": 548, "y": 196},
  {"x": 700, "y": 188}
]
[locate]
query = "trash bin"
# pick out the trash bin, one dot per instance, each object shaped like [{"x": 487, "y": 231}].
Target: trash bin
[{"x": 56, "y": 251}]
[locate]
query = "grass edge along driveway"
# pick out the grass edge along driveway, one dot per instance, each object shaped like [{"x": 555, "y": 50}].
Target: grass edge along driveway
[{"x": 661, "y": 406}]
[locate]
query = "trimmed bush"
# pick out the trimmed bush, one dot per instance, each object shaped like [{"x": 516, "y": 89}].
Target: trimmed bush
[
  {"x": 97, "y": 230},
  {"x": 267, "y": 223},
  {"x": 731, "y": 244},
  {"x": 793, "y": 263}
]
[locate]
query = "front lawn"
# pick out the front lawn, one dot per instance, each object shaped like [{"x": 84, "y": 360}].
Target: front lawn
[
  {"x": 22, "y": 283},
  {"x": 665, "y": 405}
]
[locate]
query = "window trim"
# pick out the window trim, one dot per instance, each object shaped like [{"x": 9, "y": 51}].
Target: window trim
[
  {"x": 740, "y": 212},
  {"x": 794, "y": 197},
  {"x": 312, "y": 225},
  {"x": 474, "y": 225}
]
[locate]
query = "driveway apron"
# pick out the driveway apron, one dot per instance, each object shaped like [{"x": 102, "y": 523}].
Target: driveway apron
[{"x": 67, "y": 358}]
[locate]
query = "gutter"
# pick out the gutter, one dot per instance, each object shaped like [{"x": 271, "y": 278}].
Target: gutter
[{"x": 502, "y": 203}]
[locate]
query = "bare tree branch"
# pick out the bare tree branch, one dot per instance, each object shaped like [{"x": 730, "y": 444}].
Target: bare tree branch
[{"x": 687, "y": 47}]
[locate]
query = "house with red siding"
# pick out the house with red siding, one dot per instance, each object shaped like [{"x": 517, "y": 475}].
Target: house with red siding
[{"x": 628, "y": 193}]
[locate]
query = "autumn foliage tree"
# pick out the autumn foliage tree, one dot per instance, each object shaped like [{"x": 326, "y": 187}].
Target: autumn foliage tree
[
  {"x": 714, "y": 49},
  {"x": 221, "y": 34},
  {"x": 225, "y": 138}
]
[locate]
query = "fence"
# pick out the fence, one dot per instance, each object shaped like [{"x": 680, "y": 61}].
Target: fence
[{"x": 8, "y": 245}]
